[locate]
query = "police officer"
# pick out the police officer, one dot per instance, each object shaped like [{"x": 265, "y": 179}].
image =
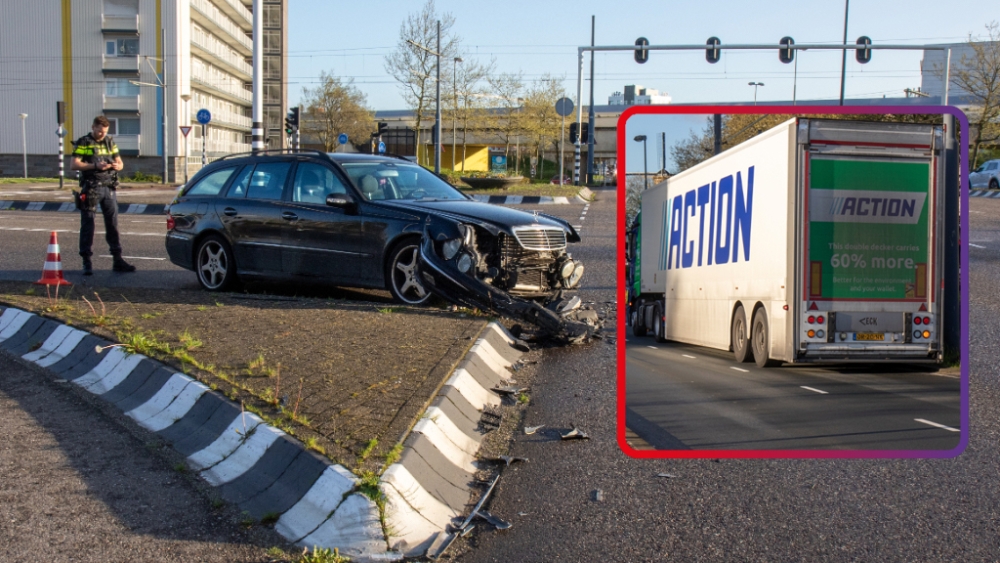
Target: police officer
[{"x": 96, "y": 157}]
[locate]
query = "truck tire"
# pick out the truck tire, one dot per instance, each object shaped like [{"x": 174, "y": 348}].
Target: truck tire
[
  {"x": 741, "y": 341},
  {"x": 658, "y": 329},
  {"x": 759, "y": 338},
  {"x": 638, "y": 328}
]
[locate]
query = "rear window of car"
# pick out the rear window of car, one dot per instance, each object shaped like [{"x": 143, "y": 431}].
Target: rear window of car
[{"x": 211, "y": 184}]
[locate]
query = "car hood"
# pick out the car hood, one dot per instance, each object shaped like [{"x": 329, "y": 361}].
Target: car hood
[{"x": 501, "y": 218}]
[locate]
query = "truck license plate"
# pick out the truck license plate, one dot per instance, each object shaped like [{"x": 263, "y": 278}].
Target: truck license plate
[{"x": 869, "y": 336}]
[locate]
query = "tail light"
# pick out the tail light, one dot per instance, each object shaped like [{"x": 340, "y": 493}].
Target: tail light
[
  {"x": 820, "y": 319},
  {"x": 811, "y": 319},
  {"x": 927, "y": 334},
  {"x": 811, "y": 333},
  {"x": 171, "y": 223},
  {"x": 917, "y": 320},
  {"x": 927, "y": 320}
]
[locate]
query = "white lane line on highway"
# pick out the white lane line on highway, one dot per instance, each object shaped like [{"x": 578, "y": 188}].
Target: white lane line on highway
[
  {"x": 948, "y": 428},
  {"x": 821, "y": 392},
  {"x": 739, "y": 369},
  {"x": 134, "y": 257},
  {"x": 653, "y": 347},
  {"x": 976, "y": 245},
  {"x": 690, "y": 356}
]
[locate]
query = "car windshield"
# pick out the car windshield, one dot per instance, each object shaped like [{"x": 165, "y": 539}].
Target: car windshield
[{"x": 388, "y": 180}]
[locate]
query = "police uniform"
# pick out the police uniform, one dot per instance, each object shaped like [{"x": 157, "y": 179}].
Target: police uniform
[{"x": 97, "y": 190}]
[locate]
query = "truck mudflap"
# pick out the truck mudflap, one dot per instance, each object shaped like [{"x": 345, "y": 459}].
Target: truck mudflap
[{"x": 562, "y": 320}]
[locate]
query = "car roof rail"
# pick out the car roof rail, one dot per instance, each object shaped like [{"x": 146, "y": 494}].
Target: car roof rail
[{"x": 272, "y": 151}]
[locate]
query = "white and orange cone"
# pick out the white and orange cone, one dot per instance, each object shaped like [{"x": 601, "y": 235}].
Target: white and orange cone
[{"x": 52, "y": 271}]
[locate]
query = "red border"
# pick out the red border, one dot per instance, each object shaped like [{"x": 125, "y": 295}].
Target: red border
[{"x": 621, "y": 289}]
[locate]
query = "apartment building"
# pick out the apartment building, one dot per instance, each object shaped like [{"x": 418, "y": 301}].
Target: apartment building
[{"x": 139, "y": 63}]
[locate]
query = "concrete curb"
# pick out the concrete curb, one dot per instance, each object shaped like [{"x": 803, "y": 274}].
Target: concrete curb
[
  {"x": 70, "y": 207},
  {"x": 984, "y": 193},
  {"x": 265, "y": 472}
]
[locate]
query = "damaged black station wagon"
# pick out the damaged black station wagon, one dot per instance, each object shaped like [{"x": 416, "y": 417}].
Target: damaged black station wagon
[{"x": 376, "y": 222}]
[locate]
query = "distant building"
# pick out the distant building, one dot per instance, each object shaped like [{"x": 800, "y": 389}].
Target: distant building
[
  {"x": 932, "y": 68},
  {"x": 91, "y": 53},
  {"x": 636, "y": 95}
]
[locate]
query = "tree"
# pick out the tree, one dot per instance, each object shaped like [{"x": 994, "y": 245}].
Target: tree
[
  {"x": 540, "y": 122},
  {"x": 335, "y": 107},
  {"x": 507, "y": 88},
  {"x": 979, "y": 75},
  {"x": 467, "y": 95},
  {"x": 413, "y": 67}
]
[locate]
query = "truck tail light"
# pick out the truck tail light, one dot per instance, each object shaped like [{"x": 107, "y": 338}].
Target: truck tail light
[
  {"x": 927, "y": 334},
  {"x": 927, "y": 320},
  {"x": 917, "y": 320},
  {"x": 811, "y": 319},
  {"x": 811, "y": 333},
  {"x": 820, "y": 319}
]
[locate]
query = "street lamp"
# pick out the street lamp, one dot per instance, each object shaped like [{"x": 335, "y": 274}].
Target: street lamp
[
  {"x": 755, "y": 85},
  {"x": 437, "y": 97},
  {"x": 454, "y": 121},
  {"x": 645, "y": 173},
  {"x": 24, "y": 142},
  {"x": 163, "y": 120}
]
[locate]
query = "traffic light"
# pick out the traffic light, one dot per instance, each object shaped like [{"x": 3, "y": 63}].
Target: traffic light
[
  {"x": 585, "y": 133},
  {"x": 713, "y": 53},
  {"x": 786, "y": 55},
  {"x": 292, "y": 121},
  {"x": 573, "y": 132},
  {"x": 641, "y": 55},
  {"x": 864, "y": 55},
  {"x": 382, "y": 128}
]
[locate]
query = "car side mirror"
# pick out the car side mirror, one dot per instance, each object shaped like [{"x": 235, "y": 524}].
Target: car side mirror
[{"x": 341, "y": 201}]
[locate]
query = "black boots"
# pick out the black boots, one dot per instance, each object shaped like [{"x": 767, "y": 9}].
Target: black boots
[
  {"x": 120, "y": 265},
  {"x": 88, "y": 267}
]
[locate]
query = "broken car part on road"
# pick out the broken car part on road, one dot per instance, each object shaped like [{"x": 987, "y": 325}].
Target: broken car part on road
[{"x": 508, "y": 270}]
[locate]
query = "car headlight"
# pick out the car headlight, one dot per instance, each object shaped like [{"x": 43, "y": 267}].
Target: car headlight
[
  {"x": 464, "y": 263},
  {"x": 450, "y": 248},
  {"x": 574, "y": 278},
  {"x": 567, "y": 269}
]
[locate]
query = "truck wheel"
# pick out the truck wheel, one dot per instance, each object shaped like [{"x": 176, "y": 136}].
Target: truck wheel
[
  {"x": 759, "y": 338},
  {"x": 658, "y": 328},
  {"x": 638, "y": 328},
  {"x": 741, "y": 342}
]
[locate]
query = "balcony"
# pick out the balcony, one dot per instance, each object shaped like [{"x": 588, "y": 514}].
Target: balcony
[
  {"x": 228, "y": 120},
  {"x": 232, "y": 93},
  {"x": 127, "y": 144},
  {"x": 120, "y": 24},
  {"x": 218, "y": 148},
  {"x": 121, "y": 103},
  {"x": 126, "y": 64},
  {"x": 211, "y": 18},
  {"x": 237, "y": 66},
  {"x": 240, "y": 14}
]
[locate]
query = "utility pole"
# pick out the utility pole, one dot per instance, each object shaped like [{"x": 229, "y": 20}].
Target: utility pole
[
  {"x": 437, "y": 106},
  {"x": 163, "y": 91},
  {"x": 24, "y": 142},
  {"x": 257, "y": 127},
  {"x": 454, "y": 116},
  {"x": 590, "y": 111},
  {"x": 61, "y": 133},
  {"x": 843, "y": 60}
]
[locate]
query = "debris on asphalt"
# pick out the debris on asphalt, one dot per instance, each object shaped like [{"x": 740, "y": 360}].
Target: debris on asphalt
[
  {"x": 521, "y": 345},
  {"x": 491, "y": 419},
  {"x": 598, "y": 495},
  {"x": 575, "y": 434},
  {"x": 468, "y": 530},
  {"x": 498, "y": 523},
  {"x": 522, "y": 513},
  {"x": 509, "y": 390},
  {"x": 529, "y": 430},
  {"x": 667, "y": 475},
  {"x": 507, "y": 459}
]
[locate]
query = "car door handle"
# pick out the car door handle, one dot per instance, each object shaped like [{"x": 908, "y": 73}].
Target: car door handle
[
  {"x": 229, "y": 211},
  {"x": 289, "y": 216}
]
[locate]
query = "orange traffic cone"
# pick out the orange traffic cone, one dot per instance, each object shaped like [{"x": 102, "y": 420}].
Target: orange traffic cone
[{"x": 52, "y": 271}]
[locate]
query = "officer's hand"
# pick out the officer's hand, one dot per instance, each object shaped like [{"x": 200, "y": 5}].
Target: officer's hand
[{"x": 117, "y": 165}]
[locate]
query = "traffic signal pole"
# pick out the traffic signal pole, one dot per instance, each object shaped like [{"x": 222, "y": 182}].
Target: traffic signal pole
[{"x": 257, "y": 127}]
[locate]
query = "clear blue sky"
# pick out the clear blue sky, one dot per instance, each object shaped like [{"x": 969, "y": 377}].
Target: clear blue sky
[{"x": 351, "y": 39}]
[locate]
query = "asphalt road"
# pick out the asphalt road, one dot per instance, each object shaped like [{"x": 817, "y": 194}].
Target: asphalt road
[
  {"x": 689, "y": 397},
  {"x": 926, "y": 510}
]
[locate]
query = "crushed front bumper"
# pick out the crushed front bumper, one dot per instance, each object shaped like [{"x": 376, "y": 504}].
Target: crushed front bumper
[{"x": 443, "y": 279}]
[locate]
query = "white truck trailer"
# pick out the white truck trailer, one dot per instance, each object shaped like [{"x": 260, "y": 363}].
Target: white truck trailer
[{"x": 815, "y": 241}]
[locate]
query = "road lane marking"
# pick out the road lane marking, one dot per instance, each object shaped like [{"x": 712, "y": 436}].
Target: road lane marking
[
  {"x": 814, "y": 389},
  {"x": 976, "y": 245},
  {"x": 948, "y": 428},
  {"x": 134, "y": 257},
  {"x": 689, "y": 356},
  {"x": 739, "y": 369},
  {"x": 653, "y": 347}
]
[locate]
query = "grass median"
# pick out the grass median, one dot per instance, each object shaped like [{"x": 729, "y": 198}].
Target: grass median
[{"x": 347, "y": 378}]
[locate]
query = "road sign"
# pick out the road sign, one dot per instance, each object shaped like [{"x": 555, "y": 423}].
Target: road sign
[
  {"x": 342, "y": 138},
  {"x": 381, "y": 147},
  {"x": 204, "y": 116},
  {"x": 564, "y": 107},
  {"x": 185, "y": 129}
]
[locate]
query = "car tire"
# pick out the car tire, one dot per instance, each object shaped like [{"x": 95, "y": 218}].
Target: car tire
[
  {"x": 638, "y": 328},
  {"x": 994, "y": 185},
  {"x": 401, "y": 274},
  {"x": 759, "y": 336},
  {"x": 740, "y": 339},
  {"x": 215, "y": 264},
  {"x": 658, "y": 329}
]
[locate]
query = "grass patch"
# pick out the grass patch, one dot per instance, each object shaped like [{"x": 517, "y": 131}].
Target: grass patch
[
  {"x": 367, "y": 451},
  {"x": 28, "y": 180},
  {"x": 322, "y": 555}
]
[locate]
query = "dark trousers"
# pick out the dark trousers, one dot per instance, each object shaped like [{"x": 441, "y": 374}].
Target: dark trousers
[{"x": 102, "y": 198}]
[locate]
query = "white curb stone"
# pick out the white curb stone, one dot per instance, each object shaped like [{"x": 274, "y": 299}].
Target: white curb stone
[
  {"x": 225, "y": 444},
  {"x": 64, "y": 349},
  {"x": 176, "y": 409},
  {"x": 50, "y": 344},
  {"x": 317, "y": 505},
  {"x": 116, "y": 375},
  {"x": 244, "y": 457},
  {"x": 161, "y": 399}
]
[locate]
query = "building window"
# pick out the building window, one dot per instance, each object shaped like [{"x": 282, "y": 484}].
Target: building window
[
  {"x": 272, "y": 68},
  {"x": 272, "y": 16},
  {"x": 272, "y": 93},
  {"x": 272, "y": 41},
  {"x": 122, "y": 47},
  {"x": 128, "y": 126},
  {"x": 121, "y": 7},
  {"x": 120, "y": 88}
]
